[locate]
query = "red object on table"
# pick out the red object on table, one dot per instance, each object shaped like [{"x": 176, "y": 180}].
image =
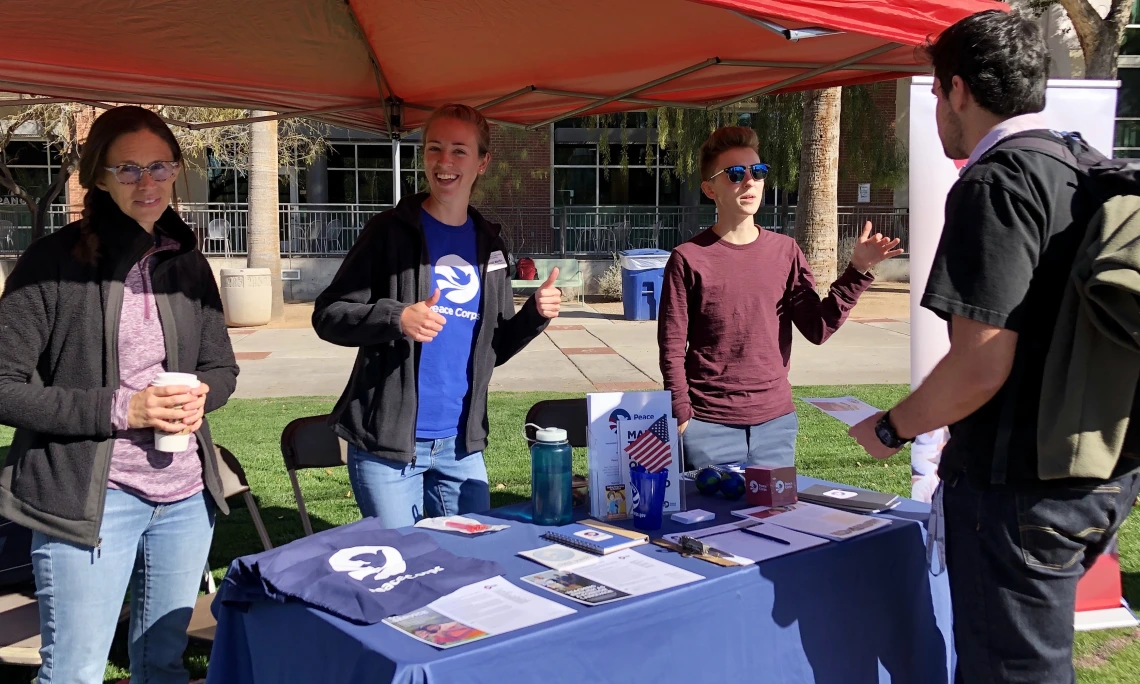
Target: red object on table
[{"x": 770, "y": 486}]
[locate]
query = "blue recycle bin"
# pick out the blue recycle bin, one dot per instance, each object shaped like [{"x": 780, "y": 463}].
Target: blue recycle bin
[{"x": 642, "y": 272}]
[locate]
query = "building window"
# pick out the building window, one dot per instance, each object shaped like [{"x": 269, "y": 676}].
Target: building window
[
  {"x": 412, "y": 177},
  {"x": 227, "y": 184},
  {"x": 1126, "y": 141},
  {"x": 360, "y": 173},
  {"x": 585, "y": 178},
  {"x": 34, "y": 164}
]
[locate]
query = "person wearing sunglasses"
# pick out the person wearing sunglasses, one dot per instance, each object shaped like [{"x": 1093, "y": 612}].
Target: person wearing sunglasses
[
  {"x": 91, "y": 314},
  {"x": 729, "y": 300}
]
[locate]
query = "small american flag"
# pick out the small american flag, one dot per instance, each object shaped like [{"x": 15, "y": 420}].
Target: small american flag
[{"x": 651, "y": 450}]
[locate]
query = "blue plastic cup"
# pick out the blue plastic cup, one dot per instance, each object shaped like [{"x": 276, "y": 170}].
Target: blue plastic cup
[{"x": 648, "y": 496}]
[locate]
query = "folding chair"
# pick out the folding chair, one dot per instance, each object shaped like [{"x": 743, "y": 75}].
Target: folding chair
[
  {"x": 202, "y": 624},
  {"x": 568, "y": 414},
  {"x": 309, "y": 443}
]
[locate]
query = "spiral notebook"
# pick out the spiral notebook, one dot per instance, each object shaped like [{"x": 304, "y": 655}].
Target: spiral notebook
[{"x": 596, "y": 537}]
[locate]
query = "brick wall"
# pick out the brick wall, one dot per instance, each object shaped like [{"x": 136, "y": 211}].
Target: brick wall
[
  {"x": 523, "y": 211},
  {"x": 849, "y": 190}
]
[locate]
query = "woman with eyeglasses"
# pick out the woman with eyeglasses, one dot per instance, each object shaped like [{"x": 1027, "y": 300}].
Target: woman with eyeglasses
[
  {"x": 730, "y": 298},
  {"x": 90, "y": 316}
]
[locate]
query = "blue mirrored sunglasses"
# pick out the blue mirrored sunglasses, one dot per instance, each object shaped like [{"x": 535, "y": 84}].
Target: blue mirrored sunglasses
[
  {"x": 129, "y": 174},
  {"x": 736, "y": 174}
]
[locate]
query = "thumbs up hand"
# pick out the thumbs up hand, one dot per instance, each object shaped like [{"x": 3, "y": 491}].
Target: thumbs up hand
[
  {"x": 549, "y": 298},
  {"x": 419, "y": 322}
]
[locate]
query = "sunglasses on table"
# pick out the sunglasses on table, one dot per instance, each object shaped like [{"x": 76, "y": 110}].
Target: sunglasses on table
[
  {"x": 736, "y": 174},
  {"x": 129, "y": 174}
]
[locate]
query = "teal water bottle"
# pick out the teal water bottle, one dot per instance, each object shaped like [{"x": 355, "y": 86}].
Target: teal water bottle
[{"x": 551, "y": 477}]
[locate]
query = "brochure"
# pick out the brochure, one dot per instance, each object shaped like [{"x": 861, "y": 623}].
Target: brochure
[
  {"x": 850, "y": 410},
  {"x": 477, "y": 611},
  {"x": 817, "y": 520},
  {"x": 560, "y": 557},
  {"x": 620, "y": 575},
  {"x": 459, "y": 524},
  {"x": 611, "y": 497}
]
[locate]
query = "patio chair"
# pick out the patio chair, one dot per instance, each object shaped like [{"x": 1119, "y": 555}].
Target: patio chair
[
  {"x": 7, "y": 236},
  {"x": 218, "y": 230},
  {"x": 334, "y": 233},
  {"x": 309, "y": 443},
  {"x": 202, "y": 623},
  {"x": 315, "y": 237}
]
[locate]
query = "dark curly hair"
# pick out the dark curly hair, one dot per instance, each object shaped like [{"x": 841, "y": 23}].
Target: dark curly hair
[{"x": 1001, "y": 57}]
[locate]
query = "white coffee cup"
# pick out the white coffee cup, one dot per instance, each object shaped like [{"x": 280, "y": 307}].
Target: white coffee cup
[{"x": 179, "y": 441}]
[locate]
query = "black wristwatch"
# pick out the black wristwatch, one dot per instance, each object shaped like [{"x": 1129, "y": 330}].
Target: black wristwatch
[{"x": 886, "y": 433}]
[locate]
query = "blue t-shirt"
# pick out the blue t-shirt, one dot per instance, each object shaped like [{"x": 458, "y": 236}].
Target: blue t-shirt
[{"x": 444, "y": 379}]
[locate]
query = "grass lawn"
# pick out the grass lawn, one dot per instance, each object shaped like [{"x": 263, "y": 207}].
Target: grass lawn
[{"x": 252, "y": 430}]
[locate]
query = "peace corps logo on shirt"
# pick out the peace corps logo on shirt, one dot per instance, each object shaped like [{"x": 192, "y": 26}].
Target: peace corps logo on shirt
[{"x": 456, "y": 279}]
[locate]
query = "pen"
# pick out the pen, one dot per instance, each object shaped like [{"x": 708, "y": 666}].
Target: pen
[{"x": 758, "y": 533}]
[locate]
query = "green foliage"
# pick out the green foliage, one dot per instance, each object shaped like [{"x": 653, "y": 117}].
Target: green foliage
[
  {"x": 870, "y": 156},
  {"x": 778, "y": 121}
]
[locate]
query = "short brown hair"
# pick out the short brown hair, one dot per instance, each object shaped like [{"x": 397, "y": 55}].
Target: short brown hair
[
  {"x": 462, "y": 112},
  {"x": 723, "y": 140}
]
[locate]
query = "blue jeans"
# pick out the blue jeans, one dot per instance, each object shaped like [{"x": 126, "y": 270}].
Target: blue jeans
[
  {"x": 1014, "y": 558},
  {"x": 769, "y": 444},
  {"x": 442, "y": 480},
  {"x": 159, "y": 552}
]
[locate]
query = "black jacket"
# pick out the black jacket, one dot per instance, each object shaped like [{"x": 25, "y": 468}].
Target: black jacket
[
  {"x": 386, "y": 271},
  {"x": 59, "y": 365}
]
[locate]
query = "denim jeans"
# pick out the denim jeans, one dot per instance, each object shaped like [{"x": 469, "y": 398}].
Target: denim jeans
[
  {"x": 771, "y": 444},
  {"x": 442, "y": 480},
  {"x": 159, "y": 552},
  {"x": 1014, "y": 559}
]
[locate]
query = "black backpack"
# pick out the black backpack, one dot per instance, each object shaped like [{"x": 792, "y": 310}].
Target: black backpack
[
  {"x": 15, "y": 554},
  {"x": 1101, "y": 179}
]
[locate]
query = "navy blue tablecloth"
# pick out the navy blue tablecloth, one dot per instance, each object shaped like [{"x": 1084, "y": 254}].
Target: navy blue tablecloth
[{"x": 863, "y": 610}]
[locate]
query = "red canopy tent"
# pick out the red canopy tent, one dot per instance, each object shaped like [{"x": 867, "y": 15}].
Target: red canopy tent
[{"x": 383, "y": 64}]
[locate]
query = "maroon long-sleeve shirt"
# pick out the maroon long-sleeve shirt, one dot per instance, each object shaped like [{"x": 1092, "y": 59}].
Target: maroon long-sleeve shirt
[{"x": 734, "y": 306}]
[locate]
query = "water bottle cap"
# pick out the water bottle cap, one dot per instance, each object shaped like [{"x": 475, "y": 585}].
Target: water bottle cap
[{"x": 550, "y": 435}]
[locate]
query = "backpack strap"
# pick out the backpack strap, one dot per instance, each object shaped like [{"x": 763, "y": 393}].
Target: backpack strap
[{"x": 1061, "y": 149}]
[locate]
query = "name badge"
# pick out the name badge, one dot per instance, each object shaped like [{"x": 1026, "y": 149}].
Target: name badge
[{"x": 496, "y": 262}]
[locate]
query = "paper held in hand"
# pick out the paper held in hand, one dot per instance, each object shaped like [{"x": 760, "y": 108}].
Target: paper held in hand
[{"x": 850, "y": 410}]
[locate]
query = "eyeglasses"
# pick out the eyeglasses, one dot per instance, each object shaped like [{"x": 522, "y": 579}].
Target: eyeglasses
[
  {"x": 129, "y": 174},
  {"x": 736, "y": 173}
]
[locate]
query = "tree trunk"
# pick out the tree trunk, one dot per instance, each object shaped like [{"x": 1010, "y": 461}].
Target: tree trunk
[
  {"x": 1099, "y": 38},
  {"x": 816, "y": 212},
  {"x": 263, "y": 239}
]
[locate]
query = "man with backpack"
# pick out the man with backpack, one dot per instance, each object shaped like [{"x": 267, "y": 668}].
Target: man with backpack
[{"x": 1033, "y": 274}]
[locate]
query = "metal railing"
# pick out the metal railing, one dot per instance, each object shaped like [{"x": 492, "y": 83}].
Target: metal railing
[{"x": 330, "y": 230}]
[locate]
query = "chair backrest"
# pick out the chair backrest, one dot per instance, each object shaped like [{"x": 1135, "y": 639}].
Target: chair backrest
[
  {"x": 335, "y": 224},
  {"x": 231, "y": 473},
  {"x": 217, "y": 229},
  {"x": 310, "y": 443},
  {"x": 568, "y": 414}
]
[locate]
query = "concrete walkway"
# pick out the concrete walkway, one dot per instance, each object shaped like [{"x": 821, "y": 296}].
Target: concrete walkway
[{"x": 588, "y": 349}]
